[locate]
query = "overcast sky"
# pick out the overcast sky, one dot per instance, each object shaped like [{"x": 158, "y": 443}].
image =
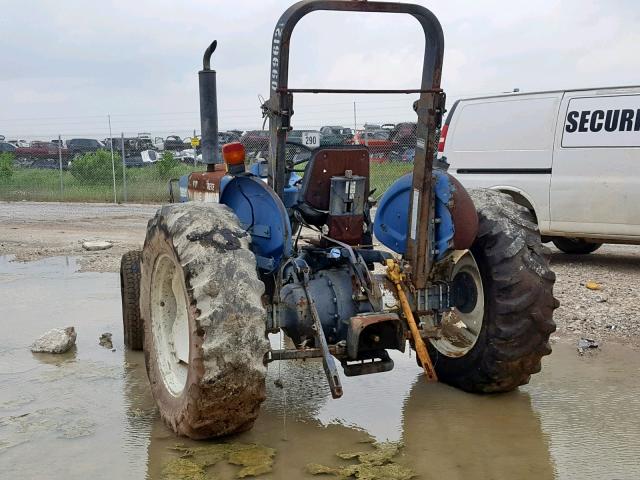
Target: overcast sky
[{"x": 65, "y": 65}]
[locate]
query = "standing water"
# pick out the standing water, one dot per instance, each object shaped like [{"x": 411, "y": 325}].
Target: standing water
[{"x": 89, "y": 413}]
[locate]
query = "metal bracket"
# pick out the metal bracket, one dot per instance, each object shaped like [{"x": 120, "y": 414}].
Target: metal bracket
[
  {"x": 433, "y": 103},
  {"x": 370, "y": 362},
  {"x": 271, "y": 109},
  {"x": 303, "y": 353}
]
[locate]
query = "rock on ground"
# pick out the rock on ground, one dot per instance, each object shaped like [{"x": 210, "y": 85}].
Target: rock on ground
[
  {"x": 105, "y": 340},
  {"x": 97, "y": 245},
  {"x": 56, "y": 340}
]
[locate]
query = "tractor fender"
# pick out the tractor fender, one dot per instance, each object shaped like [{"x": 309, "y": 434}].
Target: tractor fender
[
  {"x": 263, "y": 215},
  {"x": 465, "y": 216},
  {"x": 457, "y": 219}
]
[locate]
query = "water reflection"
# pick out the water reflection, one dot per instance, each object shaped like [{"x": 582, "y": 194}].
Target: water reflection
[
  {"x": 446, "y": 433},
  {"x": 454, "y": 435}
]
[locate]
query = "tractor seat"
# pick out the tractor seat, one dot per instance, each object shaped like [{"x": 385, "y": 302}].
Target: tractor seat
[{"x": 327, "y": 162}]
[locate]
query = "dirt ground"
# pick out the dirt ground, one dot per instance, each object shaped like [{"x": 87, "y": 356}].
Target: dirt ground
[{"x": 32, "y": 230}]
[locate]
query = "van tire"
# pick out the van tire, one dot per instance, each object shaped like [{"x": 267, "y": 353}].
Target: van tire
[
  {"x": 575, "y": 246},
  {"x": 518, "y": 298}
]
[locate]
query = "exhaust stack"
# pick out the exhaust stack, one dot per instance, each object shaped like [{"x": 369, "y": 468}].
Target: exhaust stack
[{"x": 209, "y": 111}]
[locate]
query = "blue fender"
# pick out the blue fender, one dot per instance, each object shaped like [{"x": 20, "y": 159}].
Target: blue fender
[
  {"x": 392, "y": 217},
  {"x": 263, "y": 215}
]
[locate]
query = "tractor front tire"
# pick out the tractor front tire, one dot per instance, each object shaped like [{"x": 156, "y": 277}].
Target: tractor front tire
[
  {"x": 204, "y": 320},
  {"x": 130, "y": 294},
  {"x": 517, "y": 287}
]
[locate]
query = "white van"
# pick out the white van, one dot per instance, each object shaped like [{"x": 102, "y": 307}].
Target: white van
[{"x": 572, "y": 157}]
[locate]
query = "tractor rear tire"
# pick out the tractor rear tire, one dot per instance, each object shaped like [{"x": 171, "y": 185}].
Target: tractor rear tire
[
  {"x": 518, "y": 301},
  {"x": 205, "y": 338},
  {"x": 130, "y": 294},
  {"x": 575, "y": 246}
]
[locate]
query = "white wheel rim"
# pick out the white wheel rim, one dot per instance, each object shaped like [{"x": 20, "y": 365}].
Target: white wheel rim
[
  {"x": 459, "y": 330},
  {"x": 170, "y": 323}
]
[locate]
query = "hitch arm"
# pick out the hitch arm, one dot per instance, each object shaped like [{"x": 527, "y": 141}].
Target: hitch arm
[
  {"x": 396, "y": 276},
  {"x": 328, "y": 362}
]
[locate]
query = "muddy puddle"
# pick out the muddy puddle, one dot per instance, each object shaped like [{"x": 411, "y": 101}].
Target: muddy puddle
[{"x": 89, "y": 413}]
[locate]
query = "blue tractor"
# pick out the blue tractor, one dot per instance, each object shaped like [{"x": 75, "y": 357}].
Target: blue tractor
[{"x": 293, "y": 243}]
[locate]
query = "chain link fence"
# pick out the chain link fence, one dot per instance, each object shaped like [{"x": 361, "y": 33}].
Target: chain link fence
[{"x": 137, "y": 168}]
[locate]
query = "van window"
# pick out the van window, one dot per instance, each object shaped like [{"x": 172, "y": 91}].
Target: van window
[{"x": 499, "y": 124}]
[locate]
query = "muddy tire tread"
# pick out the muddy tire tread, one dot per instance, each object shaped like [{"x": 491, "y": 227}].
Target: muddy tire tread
[
  {"x": 226, "y": 379},
  {"x": 519, "y": 298},
  {"x": 130, "y": 292}
]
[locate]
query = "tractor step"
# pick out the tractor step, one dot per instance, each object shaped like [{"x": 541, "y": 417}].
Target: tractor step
[{"x": 370, "y": 362}]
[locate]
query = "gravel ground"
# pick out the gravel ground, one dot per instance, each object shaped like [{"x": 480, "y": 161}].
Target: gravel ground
[
  {"x": 31, "y": 230},
  {"x": 611, "y": 311}
]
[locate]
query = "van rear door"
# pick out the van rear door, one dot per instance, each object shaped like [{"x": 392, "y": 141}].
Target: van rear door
[
  {"x": 506, "y": 143},
  {"x": 595, "y": 187}
]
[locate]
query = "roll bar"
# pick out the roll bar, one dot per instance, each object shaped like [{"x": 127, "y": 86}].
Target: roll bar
[{"x": 430, "y": 108}]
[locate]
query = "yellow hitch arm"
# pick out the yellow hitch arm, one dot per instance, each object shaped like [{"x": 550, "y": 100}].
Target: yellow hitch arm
[{"x": 397, "y": 277}]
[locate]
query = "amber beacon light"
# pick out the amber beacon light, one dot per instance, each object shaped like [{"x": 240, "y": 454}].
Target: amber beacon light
[{"x": 234, "y": 155}]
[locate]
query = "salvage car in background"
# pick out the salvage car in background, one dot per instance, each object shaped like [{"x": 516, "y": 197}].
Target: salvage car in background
[
  {"x": 158, "y": 143},
  {"x": 41, "y": 154},
  {"x": 256, "y": 142},
  {"x": 381, "y": 148},
  {"x": 173, "y": 143},
  {"x": 336, "y": 135},
  {"x": 132, "y": 145},
  {"x": 6, "y": 147},
  {"x": 227, "y": 137},
  {"x": 404, "y": 134},
  {"x": 38, "y": 149},
  {"x": 78, "y": 146}
]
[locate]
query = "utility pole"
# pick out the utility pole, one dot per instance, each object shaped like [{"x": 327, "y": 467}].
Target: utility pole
[
  {"x": 113, "y": 162},
  {"x": 355, "y": 119},
  {"x": 60, "y": 163},
  {"x": 124, "y": 169}
]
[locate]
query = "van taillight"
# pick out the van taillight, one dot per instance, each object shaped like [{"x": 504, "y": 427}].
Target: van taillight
[{"x": 443, "y": 138}]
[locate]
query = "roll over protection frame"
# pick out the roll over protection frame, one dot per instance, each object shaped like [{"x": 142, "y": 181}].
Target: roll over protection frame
[{"x": 429, "y": 108}]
